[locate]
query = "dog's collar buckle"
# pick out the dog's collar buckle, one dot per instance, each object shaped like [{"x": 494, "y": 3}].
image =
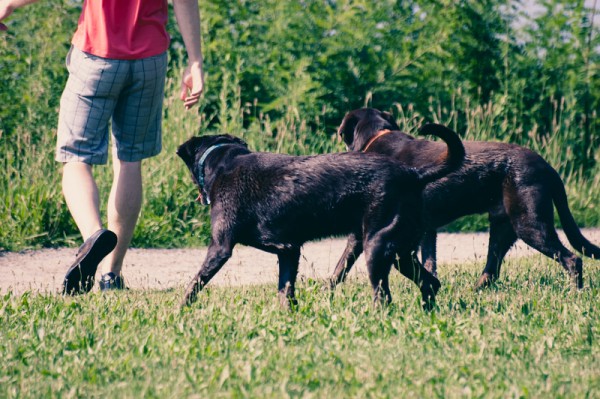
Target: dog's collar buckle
[
  {"x": 200, "y": 171},
  {"x": 378, "y": 135}
]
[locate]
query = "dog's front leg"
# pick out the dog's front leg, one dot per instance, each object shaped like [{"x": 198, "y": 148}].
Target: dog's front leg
[
  {"x": 288, "y": 271},
  {"x": 354, "y": 248},
  {"x": 502, "y": 238},
  {"x": 216, "y": 257}
]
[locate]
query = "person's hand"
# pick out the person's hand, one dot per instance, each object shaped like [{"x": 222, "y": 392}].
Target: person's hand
[
  {"x": 192, "y": 85},
  {"x": 5, "y": 11}
]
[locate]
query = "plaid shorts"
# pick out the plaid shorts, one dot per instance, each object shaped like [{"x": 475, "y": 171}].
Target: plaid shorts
[{"x": 98, "y": 89}]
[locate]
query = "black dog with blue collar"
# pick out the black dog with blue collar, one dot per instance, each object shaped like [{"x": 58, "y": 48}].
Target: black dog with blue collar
[{"x": 277, "y": 202}]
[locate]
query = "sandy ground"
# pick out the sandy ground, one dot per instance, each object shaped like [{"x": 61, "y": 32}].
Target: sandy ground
[{"x": 43, "y": 271}]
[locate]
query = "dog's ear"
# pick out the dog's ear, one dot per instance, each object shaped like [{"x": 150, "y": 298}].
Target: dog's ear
[
  {"x": 389, "y": 118},
  {"x": 348, "y": 126},
  {"x": 365, "y": 124},
  {"x": 182, "y": 150},
  {"x": 187, "y": 151}
]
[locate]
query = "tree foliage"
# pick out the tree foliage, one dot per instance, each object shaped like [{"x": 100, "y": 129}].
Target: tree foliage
[{"x": 327, "y": 57}]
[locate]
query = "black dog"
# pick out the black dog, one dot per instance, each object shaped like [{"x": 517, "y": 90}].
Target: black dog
[
  {"x": 514, "y": 185},
  {"x": 277, "y": 202}
]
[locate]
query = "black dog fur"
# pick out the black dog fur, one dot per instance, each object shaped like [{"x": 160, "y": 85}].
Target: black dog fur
[
  {"x": 514, "y": 185},
  {"x": 277, "y": 202}
]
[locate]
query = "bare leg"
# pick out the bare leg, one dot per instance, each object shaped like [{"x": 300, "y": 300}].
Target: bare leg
[
  {"x": 81, "y": 195},
  {"x": 124, "y": 204}
]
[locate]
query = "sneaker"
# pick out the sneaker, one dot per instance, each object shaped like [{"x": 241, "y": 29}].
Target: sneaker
[
  {"x": 80, "y": 276},
  {"x": 111, "y": 281}
]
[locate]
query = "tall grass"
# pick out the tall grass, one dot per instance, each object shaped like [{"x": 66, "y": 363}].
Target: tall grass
[
  {"x": 488, "y": 122},
  {"x": 529, "y": 337},
  {"x": 279, "y": 89},
  {"x": 34, "y": 214}
]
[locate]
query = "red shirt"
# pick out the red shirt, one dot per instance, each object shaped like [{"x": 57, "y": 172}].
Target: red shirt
[{"x": 123, "y": 29}]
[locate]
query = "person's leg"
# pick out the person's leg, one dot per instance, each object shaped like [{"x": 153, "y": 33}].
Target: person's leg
[
  {"x": 136, "y": 131},
  {"x": 86, "y": 106},
  {"x": 81, "y": 194},
  {"x": 124, "y": 204}
]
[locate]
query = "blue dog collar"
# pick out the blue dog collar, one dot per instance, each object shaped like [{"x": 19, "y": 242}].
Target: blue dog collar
[{"x": 200, "y": 171}]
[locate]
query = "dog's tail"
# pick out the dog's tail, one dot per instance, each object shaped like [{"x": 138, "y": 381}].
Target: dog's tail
[
  {"x": 572, "y": 231},
  {"x": 451, "y": 160}
]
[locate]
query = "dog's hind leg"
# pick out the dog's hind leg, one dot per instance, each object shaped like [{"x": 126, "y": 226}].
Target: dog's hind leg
[
  {"x": 533, "y": 222},
  {"x": 354, "y": 248},
  {"x": 288, "y": 271},
  {"x": 216, "y": 257},
  {"x": 379, "y": 263},
  {"x": 428, "y": 251},
  {"x": 410, "y": 267},
  {"x": 502, "y": 237},
  {"x": 547, "y": 242}
]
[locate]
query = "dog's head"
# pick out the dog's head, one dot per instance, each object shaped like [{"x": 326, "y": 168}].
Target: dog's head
[
  {"x": 193, "y": 150},
  {"x": 360, "y": 125}
]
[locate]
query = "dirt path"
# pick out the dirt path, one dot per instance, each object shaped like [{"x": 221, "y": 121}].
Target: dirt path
[{"x": 43, "y": 271}]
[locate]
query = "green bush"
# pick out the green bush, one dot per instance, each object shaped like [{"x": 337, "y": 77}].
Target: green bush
[{"x": 282, "y": 75}]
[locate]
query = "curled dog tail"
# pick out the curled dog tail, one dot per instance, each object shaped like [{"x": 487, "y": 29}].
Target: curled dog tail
[
  {"x": 572, "y": 231},
  {"x": 451, "y": 160}
]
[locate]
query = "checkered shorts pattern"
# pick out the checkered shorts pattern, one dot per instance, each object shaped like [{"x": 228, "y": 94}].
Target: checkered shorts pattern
[{"x": 130, "y": 92}]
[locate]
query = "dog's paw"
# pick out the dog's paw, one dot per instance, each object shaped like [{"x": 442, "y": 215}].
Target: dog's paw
[
  {"x": 486, "y": 280},
  {"x": 187, "y": 302},
  {"x": 429, "y": 291},
  {"x": 191, "y": 293},
  {"x": 429, "y": 304},
  {"x": 329, "y": 285},
  {"x": 287, "y": 302}
]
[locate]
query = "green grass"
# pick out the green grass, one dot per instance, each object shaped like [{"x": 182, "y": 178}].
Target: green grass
[{"x": 529, "y": 336}]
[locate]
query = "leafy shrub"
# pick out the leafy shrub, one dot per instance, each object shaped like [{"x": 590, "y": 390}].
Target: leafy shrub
[{"x": 282, "y": 75}]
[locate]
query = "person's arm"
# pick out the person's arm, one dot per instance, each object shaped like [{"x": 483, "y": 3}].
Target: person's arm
[
  {"x": 187, "y": 15},
  {"x": 8, "y": 6}
]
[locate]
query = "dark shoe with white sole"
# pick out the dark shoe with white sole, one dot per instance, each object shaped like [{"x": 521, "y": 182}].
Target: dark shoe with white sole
[
  {"x": 80, "y": 276},
  {"x": 111, "y": 281}
]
